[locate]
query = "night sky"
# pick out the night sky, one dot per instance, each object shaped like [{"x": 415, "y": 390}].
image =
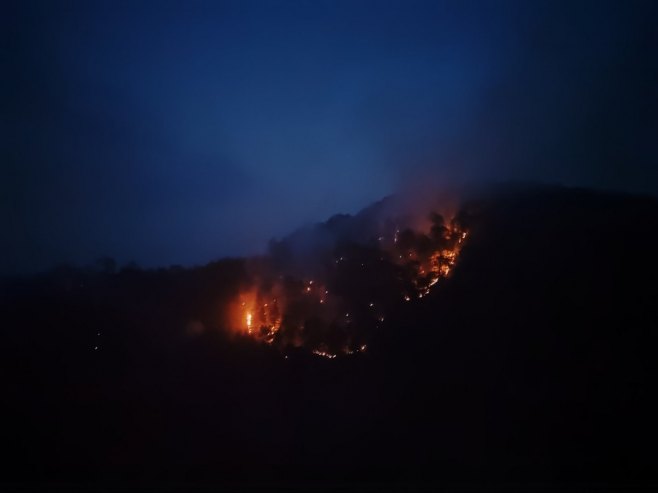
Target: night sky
[{"x": 181, "y": 132}]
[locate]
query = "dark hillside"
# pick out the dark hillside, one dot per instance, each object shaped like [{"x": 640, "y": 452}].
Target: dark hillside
[{"x": 533, "y": 361}]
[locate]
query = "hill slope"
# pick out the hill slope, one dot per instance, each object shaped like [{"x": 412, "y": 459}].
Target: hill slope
[{"x": 533, "y": 361}]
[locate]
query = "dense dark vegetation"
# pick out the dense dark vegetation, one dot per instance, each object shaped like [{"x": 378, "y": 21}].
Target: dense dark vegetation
[{"x": 535, "y": 361}]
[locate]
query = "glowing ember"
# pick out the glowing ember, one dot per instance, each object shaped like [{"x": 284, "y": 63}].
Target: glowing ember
[{"x": 324, "y": 354}]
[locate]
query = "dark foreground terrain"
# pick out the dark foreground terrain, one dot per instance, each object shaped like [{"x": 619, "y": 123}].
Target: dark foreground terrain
[{"x": 533, "y": 364}]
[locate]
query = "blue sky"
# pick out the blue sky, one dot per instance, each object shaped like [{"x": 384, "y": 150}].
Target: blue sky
[{"x": 179, "y": 132}]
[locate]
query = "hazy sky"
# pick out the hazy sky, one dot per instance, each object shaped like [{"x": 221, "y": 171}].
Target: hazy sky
[{"x": 179, "y": 132}]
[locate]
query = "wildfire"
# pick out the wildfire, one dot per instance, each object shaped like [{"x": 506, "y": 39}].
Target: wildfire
[
  {"x": 257, "y": 314},
  {"x": 427, "y": 269},
  {"x": 286, "y": 312}
]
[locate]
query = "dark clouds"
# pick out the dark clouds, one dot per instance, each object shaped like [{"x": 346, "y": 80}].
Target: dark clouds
[{"x": 173, "y": 132}]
